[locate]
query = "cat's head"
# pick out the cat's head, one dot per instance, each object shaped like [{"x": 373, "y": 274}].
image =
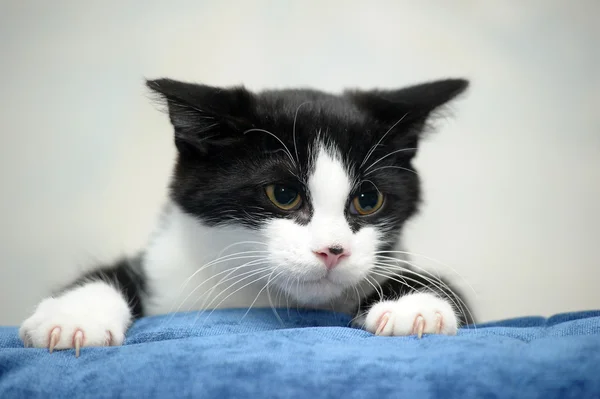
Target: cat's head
[{"x": 326, "y": 180}]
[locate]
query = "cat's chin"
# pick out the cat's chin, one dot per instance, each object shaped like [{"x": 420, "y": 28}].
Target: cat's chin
[{"x": 315, "y": 292}]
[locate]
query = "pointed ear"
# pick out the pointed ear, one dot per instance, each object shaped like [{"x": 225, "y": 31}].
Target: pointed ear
[
  {"x": 413, "y": 104},
  {"x": 406, "y": 111},
  {"x": 204, "y": 116}
]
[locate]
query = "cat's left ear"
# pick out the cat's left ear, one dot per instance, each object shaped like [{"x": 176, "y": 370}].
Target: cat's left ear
[{"x": 411, "y": 104}]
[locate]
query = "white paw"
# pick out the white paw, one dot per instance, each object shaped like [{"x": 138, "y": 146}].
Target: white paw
[
  {"x": 414, "y": 314},
  {"x": 94, "y": 314}
]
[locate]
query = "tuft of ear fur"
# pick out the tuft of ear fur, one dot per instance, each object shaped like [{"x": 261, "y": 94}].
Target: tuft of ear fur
[{"x": 204, "y": 116}]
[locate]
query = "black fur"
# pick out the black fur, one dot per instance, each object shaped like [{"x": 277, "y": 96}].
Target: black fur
[
  {"x": 232, "y": 143},
  {"x": 127, "y": 276}
]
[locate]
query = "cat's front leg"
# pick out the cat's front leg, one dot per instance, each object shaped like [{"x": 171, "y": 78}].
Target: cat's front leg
[
  {"x": 95, "y": 311},
  {"x": 412, "y": 314}
]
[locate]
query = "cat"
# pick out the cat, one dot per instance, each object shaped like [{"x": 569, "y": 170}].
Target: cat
[{"x": 314, "y": 187}]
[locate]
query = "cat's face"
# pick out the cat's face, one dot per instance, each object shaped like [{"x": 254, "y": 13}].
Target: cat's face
[{"x": 325, "y": 181}]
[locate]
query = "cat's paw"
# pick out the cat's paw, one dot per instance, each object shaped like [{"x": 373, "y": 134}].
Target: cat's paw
[
  {"x": 414, "y": 314},
  {"x": 94, "y": 314}
]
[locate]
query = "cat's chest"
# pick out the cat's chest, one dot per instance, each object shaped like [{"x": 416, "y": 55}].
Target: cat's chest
[{"x": 189, "y": 266}]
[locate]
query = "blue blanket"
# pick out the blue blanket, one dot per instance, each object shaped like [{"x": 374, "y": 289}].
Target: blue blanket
[{"x": 311, "y": 354}]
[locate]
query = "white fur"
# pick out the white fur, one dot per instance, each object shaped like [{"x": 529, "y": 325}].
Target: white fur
[
  {"x": 97, "y": 309},
  {"x": 404, "y": 311},
  {"x": 182, "y": 248}
]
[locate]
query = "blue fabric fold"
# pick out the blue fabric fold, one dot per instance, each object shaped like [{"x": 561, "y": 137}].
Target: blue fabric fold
[{"x": 313, "y": 354}]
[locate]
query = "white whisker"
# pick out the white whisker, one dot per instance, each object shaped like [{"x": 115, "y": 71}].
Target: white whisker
[
  {"x": 232, "y": 293},
  {"x": 289, "y": 154},
  {"x": 238, "y": 289},
  {"x": 376, "y": 188},
  {"x": 294, "y": 130},
  {"x": 407, "y": 262},
  {"x": 215, "y": 262},
  {"x": 435, "y": 261},
  {"x": 372, "y": 149},
  {"x": 253, "y": 263},
  {"x": 235, "y": 256},
  {"x": 380, "y": 293},
  {"x": 357, "y": 301},
  {"x": 391, "y": 167},
  {"x": 289, "y": 286},
  {"x": 388, "y": 155},
  {"x": 262, "y": 289},
  {"x": 273, "y": 308}
]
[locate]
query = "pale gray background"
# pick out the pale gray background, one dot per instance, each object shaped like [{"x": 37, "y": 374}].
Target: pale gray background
[{"x": 512, "y": 181}]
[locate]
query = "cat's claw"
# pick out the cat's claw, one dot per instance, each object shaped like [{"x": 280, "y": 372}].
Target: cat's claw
[
  {"x": 439, "y": 319},
  {"x": 419, "y": 326},
  {"x": 382, "y": 323},
  {"x": 78, "y": 341},
  {"x": 415, "y": 314},
  {"x": 54, "y": 338}
]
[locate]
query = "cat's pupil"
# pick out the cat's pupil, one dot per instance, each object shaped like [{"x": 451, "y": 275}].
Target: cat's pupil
[
  {"x": 368, "y": 201},
  {"x": 284, "y": 195}
]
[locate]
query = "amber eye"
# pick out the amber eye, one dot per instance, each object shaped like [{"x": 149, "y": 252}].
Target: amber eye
[
  {"x": 366, "y": 203},
  {"x": 283, "y": 197}
]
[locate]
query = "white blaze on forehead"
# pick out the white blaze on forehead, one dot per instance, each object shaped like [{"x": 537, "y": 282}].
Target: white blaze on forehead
[
  {"x": 329, "y": 183},
  {"x": 329, "y": 186}
]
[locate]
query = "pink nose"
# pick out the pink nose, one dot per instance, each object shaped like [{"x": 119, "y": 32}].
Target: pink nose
[{"x": 331, "y": 256}]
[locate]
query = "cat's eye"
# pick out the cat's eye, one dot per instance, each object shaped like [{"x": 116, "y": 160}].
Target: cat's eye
[
  {"x": 284, "y": 197},
  {"x": 366, "y": 203}
]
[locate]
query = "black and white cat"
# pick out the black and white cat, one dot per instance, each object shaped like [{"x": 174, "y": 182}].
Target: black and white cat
[{"x": 279, "y": 198}]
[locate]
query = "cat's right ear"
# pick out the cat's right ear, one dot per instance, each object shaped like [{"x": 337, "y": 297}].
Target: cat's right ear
[{"x": 204, "y": 117}]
